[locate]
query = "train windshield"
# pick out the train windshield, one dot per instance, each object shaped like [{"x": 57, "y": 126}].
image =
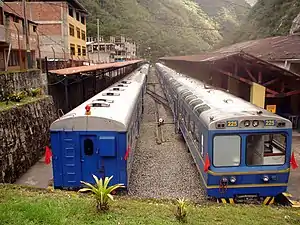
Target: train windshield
[
  {"x": 265, "y": 149},
  {"x": 227, "y": 150}
]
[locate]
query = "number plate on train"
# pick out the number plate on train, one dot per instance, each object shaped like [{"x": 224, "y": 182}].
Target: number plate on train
[
  {"x": 270, "y": 122},
  {"x": 233, "y": 123}
]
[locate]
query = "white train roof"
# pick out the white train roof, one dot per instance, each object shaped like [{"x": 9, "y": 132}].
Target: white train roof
[
  {"x": 111, "y": 109},
  {"x": 218, "y": 104}
]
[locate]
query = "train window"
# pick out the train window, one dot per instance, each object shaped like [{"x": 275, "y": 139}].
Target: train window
[
  {"x": 226, "y": 150},
  {"x": 266, "y": 149},
  {"x": 200, "y": 109},
  {"x": 88, "y": 147}
]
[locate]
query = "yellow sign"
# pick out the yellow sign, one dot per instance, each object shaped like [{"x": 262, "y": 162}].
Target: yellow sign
[{"x": 271, "y": 108}]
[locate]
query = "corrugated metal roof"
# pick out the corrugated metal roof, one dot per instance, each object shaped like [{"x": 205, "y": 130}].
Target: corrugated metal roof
[
  {"x": 84, "y": 69},
  {"x": 270, "y": 49}
]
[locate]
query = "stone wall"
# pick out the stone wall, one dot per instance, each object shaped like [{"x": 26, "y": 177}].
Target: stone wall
[
  {"x": 15, "y": 81},
  {"x": 24, "y": 133}
]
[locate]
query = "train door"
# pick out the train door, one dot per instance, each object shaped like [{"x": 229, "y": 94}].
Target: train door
[{"x": 90, "y": 162}]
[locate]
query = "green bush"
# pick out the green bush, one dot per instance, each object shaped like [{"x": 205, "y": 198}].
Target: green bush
[
  {"x": 101, "y": 191},
  {"x": 181, "y": 210}
]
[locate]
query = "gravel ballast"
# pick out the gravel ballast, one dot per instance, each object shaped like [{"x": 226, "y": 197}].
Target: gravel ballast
[{"x": 166, "y": 170}]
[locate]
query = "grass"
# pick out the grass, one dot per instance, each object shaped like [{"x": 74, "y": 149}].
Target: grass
[
  {"x": 26, "y": 100},
  {"x": 32, "y": 206}
]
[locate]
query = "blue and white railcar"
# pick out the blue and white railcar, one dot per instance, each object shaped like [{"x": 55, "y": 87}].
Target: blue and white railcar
[
  {"x": 98, "y": 137},
  {"x": 240, "y": 149}
]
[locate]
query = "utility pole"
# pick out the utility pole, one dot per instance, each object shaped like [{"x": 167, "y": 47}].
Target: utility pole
[
  {"x": 26, "y": 33},
  {"x": 98, "y": 38}
]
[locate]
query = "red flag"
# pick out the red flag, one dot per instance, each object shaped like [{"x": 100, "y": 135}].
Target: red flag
[
  {"x": 207, "y": 163},
  {"x": 293, "y": 161},
  {"x": 48, "y": 155},
  {"x": 127, "y": 153}
]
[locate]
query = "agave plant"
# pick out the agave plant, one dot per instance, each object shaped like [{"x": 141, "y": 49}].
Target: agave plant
[
  {"x": 181, "y": 210},
  {"x": 101, "y": 191}
]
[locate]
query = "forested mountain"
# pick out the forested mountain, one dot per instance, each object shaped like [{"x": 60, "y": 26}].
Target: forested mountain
[
  {"x": 167, "y": 27},
  {"x": 266, "y": 18}
]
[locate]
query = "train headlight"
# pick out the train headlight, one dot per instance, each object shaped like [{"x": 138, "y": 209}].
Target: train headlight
[
  {"x": 247, "y": 123},
  {"x": 265, "y": 178},
  {"x": 232, "y": 179},
  {"x": 255, "y": 123}
]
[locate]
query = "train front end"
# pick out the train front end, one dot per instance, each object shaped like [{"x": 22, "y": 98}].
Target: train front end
[{"x": 249, "y": 157}]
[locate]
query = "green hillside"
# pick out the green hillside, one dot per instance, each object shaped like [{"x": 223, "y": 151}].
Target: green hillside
[
  {"x": 267, "y": 18},
  {"x": 168, "y": 27}
]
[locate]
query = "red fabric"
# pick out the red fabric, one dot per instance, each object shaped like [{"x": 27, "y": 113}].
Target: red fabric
[
  {"x": 207, "y": 163},
  {"x": 48, "y": 155},
  {"x": 127, "y": 153},
  {"x": 293, "y": 161}
]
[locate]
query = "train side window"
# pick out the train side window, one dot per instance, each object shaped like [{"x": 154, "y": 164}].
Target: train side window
[
  {"x": 226, "y": 150},
  {"x": 265, "y": 149},
  {"x": 88, "y": 147}
]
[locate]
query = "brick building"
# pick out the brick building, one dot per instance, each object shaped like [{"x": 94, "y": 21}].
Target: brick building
[
  {"x": 62, "y": 27},
  {"x": 13, "y": 41}
]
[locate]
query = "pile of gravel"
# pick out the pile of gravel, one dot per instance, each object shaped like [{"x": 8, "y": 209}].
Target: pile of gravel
[{"x": 166, "y": 170}]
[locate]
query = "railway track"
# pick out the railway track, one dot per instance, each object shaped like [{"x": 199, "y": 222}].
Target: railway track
[
  {"x": 157, "y": 97},
  {"x": 164, "y": 170}
]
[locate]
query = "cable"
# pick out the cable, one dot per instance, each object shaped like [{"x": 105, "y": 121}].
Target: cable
[{"x": 57, "y": 82}]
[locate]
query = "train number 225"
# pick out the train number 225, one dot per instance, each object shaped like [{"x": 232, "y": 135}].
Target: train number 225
[{"x": 232, "y": 123}]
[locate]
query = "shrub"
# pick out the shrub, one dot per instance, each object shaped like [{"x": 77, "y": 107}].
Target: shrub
[
  {"x": 35, "y": 91},
  {"x": 181, "y": 210},
  {"x": 101, "y": 191},
  {"x": 16, "y": 97}
]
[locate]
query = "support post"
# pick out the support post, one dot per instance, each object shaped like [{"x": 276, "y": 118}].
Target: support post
[
  {"x": 54, "y": 57},
  {"x": 66, "y": 95},
  {"x": 98, "y": 38},
  {"x": 39, "y": 49},
  {"x": 8, "y": 56},
  {"x": 19, "y": 46},
  {"x": 26, "y": 33}
]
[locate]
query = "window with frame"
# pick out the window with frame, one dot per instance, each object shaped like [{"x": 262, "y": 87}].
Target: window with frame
[
  {"x": 88, "y": 147},
  {"x": 71, "y": 11},
  {"x": 266, "y": 149},
  {"x": 82, "y": 19},
  {"x": 72, "y": 49},
  {"x": 83, "y": 35},
  {"x": 78, "y": 32},
  {"x": 226, "y": 150},
  {"x": 71, "y": 30},
  {"x": 13, "y": 58},
  {"x": 79, "y": 50},
  {"x": 77, "y": 16},
  {"x": 83, "y": 51}
]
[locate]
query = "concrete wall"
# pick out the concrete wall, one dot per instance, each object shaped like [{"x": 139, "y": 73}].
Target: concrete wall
[
  {"x": 18, "y": 81},
  {"x": 23, "y": 137}
]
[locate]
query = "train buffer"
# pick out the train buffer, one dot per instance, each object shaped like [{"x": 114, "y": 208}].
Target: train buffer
[{"x": 288, "y": 200}]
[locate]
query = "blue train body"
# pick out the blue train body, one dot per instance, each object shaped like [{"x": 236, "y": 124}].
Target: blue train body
[
  {"x": 203, "y": 116},
  {"x": 99, "y": 136}
]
